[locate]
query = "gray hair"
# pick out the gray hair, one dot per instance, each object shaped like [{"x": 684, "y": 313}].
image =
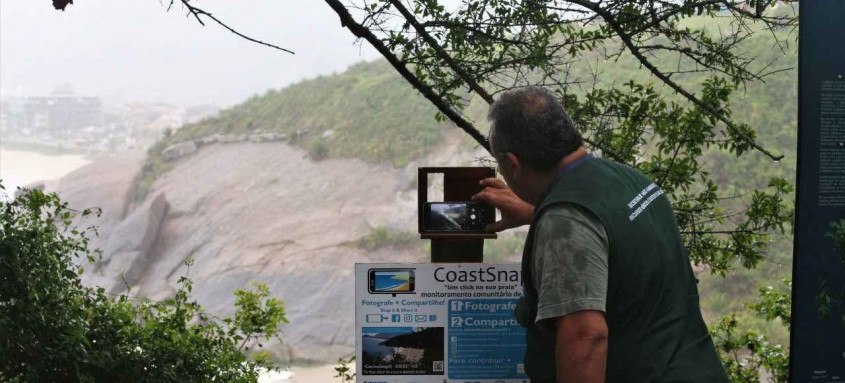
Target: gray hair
[{"x": 530, "y": 123}]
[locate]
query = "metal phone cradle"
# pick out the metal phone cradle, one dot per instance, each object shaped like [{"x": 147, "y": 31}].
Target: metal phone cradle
[{"x": 459, "y": 184}]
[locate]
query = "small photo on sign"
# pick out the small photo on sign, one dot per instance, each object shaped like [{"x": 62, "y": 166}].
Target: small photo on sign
[
  {"x": 391, "y": 281},
  {"x": 402, "y": 351}
]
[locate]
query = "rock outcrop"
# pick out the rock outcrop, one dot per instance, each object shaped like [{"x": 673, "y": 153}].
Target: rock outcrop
[
  {"x": 253, "y": 208},
  {"x": 249, "y": 211},
  {"x": 107, "y": 182},
  {"x": 176, "y": 151},
  {"x": 128, "y": 252}
]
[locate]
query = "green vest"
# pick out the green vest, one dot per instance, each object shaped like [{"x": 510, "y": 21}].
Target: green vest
[{"x": 656, "y": 332}]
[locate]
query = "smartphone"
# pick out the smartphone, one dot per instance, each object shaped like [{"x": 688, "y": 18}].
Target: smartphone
[
  {"x": 391, "y": 281},
  {"x": 461, "y": 217}
]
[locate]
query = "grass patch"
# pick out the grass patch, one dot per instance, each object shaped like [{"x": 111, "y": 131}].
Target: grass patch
[
  {"x": 371, "y": 112},
  {"x": 383, "y": 237},
  {"x": 154, "y": 166}
]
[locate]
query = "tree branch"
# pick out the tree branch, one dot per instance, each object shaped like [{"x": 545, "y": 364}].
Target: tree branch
[
  {"x": 626, "y": 39},
  {"x": 347, "y": 21},
  {"x": 197, "y": 12},
  {"x": 470, "y": 81}
]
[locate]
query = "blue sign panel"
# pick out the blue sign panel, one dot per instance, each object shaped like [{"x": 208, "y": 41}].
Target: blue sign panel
[
  {"x": 817, "y": 345},
  {"x": 485, "y": 341}
]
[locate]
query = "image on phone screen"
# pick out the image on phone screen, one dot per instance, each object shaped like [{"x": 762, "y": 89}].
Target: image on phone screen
[
  {"x": 391, "y": 281},
  {"x": 455, "y": 217}
]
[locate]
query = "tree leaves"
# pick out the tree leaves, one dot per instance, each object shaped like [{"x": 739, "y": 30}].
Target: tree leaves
[
  {"x": 746, "y": 353},
  {"x": 52, "y": 328},
  {"x": 502, "y": 44}
]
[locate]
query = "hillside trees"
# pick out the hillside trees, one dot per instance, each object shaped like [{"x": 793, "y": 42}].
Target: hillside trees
[{"x": 54, "y": 329}]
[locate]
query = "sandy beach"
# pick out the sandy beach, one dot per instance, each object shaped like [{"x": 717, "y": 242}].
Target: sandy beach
[{"x": 20, "y": 168}]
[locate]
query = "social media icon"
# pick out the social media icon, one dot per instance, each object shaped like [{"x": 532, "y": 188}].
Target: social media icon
[
  {"x": 409, "y": 318},
  {"x": 395, "y": 318}
]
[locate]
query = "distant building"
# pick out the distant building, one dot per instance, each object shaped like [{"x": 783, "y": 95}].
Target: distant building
[
  {"x": 61, "y": 111},
  {"x": 66, "y": 120}
]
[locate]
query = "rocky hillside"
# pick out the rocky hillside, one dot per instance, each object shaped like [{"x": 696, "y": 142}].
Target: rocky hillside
[
  {"x": 255, "y": 211},
  {"x": 367, "y": 112},
  {"x": 286, "y": 189}
]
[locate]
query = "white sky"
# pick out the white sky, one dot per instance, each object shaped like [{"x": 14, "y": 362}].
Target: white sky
[{"x": 133, "y": 50}]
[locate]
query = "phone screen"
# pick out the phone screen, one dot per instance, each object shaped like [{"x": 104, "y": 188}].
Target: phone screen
[
  {"x": 391, "y": 281},
  {"x": 461, "y": 216}
]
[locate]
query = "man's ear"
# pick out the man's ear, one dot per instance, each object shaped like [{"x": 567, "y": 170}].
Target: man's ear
[{"x": 514, "y": 165}]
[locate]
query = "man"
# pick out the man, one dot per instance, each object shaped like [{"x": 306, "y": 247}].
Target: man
[{"x": 609, "y": 293}]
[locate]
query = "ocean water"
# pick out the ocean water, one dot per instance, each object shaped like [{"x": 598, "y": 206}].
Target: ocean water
[
  {"x": 20, "y": 168},
  {"x": 392, "y": 282},
  {"x": 371, "y": 346}
]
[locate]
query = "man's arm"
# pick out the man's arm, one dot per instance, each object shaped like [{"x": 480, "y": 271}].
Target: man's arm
[
  {"x": 581, "y": 347},
  {"x": 570, "y": 272},
  {"x": 515, "y": 211}
]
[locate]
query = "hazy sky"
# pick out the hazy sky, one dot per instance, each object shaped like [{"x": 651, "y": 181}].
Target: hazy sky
[{"x": 133, "y": 50}]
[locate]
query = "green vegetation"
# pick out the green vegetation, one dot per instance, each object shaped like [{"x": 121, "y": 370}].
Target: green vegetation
[
  {"x": 382, "y": 237},
  {"x": 837, "y": 235},
  {"x": 373, "y": 114},
  {"x": 343, "y": 369},
  {"x": 366, "y": 112},
  {"x": 54, "y": 329},
  {"x": 153, "y": 167},
  {"x": 747, "y": 352}
]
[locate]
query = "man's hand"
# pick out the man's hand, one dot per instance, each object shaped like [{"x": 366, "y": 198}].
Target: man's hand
[
  {"x": 581, "y": 347},
  {"x": 515, "y": 211}
]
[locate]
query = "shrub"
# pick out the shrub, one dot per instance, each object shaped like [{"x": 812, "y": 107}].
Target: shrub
[
  {"x": 382, "y": 237},
  {"x": 55, "y": 329}
]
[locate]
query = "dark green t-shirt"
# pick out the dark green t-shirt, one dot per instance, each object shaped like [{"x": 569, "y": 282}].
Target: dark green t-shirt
[{"x": 569, "y": 267}]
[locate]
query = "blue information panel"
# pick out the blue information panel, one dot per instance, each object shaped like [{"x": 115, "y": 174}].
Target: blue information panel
[
  {"x": 485, "y": 341},
  {"x": 817, "y": 345}
]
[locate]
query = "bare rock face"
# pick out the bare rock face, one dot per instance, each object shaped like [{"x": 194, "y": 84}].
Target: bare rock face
[
  {"x": 105, "y": 183},
  {"x": 264, "y": 212},
  {"x": 176, "y": 151},
  {"x": 128, "y": 251},
  {"x": 252, "y": 212}
]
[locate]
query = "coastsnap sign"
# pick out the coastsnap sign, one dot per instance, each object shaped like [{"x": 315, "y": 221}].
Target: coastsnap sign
[{"x": 438, "y": 323}]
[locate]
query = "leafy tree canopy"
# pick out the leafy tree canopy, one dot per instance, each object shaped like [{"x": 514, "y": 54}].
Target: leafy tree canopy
[
  {"x": 54, "y": 329},
  {"x": 458, "y": 52}
]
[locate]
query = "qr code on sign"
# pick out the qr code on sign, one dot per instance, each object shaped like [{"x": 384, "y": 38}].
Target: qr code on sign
[{"x": 437, "y": 366}]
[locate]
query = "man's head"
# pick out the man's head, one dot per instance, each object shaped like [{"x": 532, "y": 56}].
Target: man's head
[{"x": 530, "y": 134}]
